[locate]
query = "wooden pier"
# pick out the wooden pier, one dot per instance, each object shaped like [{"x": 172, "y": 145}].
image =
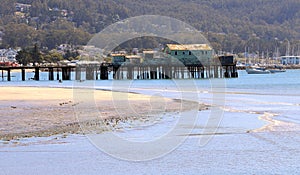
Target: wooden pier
[
  {"x": 65, "y": 70},
  {"x": 128, "y": 71},
  {"x": 166, "y": 71}
]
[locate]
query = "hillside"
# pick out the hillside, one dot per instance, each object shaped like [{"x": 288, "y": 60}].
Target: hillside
[{"x": 230, "y": 25}]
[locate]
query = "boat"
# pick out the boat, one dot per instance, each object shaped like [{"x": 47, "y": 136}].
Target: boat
[
  {"x": 257, "y": 70},
  {"x": 277, "y": 69}
]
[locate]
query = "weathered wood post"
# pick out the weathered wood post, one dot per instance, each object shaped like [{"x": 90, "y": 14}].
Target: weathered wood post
[
  {"x": 103, "y": 72},
  {"x": 51, "y": 74},
  {"x": 37, "y": 74},
  {"x": 90, "y": 73},
  {"x": 234, "y": 73},
  {"x": 23, "y": 74},
  {"x": 216, "y": 71},
  {"x": 63, "y": 73},
  {"x": 96, "y": 73},
  {"x": 66, "y": 73},
  {"x": 182, "y": 71},
  {"x": 202, "y": 72},
  {"x": 221, "y": 72},
  {"x": 193, "y": 72},
  {"x": 57, "y": 74},
  {"x": 78, "y": 73},
  {"x": 116, "y": 73},
  {"x": 159, "y": 72},
  {"x": 8, "y": 75},
  {"x": 226, "y": 74},
  {"x": 198, "y": 72}
]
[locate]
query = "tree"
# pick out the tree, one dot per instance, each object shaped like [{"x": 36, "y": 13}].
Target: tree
[
  {"x": 36, "y": 54},
  {"x": 19, "y": 35},
  {"x": 23, "y": 57},
  {"x": 69, "y": 55},
  {"x": 7, "y": 7},
  {"x": 29, "y": 55},
  {"x": 53, "y": 57}
]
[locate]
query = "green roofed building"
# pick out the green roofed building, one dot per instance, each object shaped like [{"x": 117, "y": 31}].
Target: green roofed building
[
  {"x": 190, "y": 54},
  {"x": 118, "y": 58}
]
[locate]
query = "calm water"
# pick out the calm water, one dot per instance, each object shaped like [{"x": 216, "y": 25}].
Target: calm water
[{"x": 284, "y": 82}]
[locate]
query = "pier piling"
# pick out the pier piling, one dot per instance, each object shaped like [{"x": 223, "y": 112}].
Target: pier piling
[
  {"x": 8, "y": 75},
  {"x": 23, "y": 75},
  {"x": 51, "y": 74}
]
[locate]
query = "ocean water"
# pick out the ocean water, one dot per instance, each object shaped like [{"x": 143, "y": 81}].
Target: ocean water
[{"x": 257, "y": 131}]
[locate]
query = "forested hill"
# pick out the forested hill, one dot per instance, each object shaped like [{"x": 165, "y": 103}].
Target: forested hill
[{"x": 229, "y": 24}]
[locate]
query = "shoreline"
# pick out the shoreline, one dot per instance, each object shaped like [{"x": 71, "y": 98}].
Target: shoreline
[
  {"x": 46, "y": 111},
  {"x": 52, "y": 111}
]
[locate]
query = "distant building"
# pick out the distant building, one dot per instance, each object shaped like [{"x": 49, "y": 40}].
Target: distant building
[
  {"x": 122, "y": 58},
  {"x": 8, "y": 55},
  {"x": 118, "y": 58},
  {"x": 226, "y": 59},
  {"x": 11, "y": 55},
  {"x": 2, "y": 52},
  {"x": 190, "y": 53},
  {"x": 135, "y": 59},
  {"x": 64, "y": 47},
  {"x": 290, "y": 60},
  {"x": 22, "y": 7},
  {"x": 150, "y": 54},
  {"x": 3, "y": 59}
]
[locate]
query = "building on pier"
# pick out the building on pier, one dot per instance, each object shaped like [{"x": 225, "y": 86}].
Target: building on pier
[
  {"x": 190, "y": 53},
  {"x": 118, "y": 58}
]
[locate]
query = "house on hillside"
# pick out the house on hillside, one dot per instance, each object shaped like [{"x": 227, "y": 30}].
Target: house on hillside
[
  {"x": 11, "y": 55},
  {"x": 8, "y": 54},
  {"x": 189, "y": 53},
  {"x": 24, "y": 8},
  {"x": 2, "y": 52},
  {"x": 64, "y": 47}
]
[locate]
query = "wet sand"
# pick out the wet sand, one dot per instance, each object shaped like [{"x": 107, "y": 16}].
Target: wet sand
[{"x": 41, "y": 112}]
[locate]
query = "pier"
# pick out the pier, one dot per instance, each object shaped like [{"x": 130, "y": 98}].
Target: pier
[
  {"x": 65, "y": 70},
  {"x": 226, "y": 68},
  {"x": 123, "y": 72},
  {"x": 166, "y": 71}
]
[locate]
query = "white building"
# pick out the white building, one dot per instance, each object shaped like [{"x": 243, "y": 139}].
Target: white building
[
  {"x": 11, "y": 55},
  {"x": 288, "y": 60},
  {"x": 8, "y": 54}
]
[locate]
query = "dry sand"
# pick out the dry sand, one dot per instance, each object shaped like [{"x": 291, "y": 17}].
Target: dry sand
[{"x": 29, "y": 111}]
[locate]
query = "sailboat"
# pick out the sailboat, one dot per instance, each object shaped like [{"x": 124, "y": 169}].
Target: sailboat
[
  {"x": 277, "y": 69},
  {"x": 257, "y": 70}
]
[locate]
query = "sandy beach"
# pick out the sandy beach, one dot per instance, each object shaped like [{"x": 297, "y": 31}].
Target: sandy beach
[{"x": 40, "y": 112}]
